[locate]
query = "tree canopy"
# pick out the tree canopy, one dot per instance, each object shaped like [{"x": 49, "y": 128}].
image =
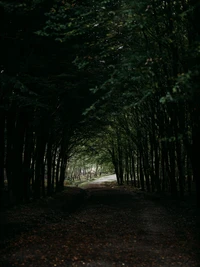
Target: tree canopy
[{"x": 121, "y": 75}]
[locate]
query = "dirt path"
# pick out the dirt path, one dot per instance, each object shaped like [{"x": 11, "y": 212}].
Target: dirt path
[
  {"x": 100, "y": 182},
  {"x": 114, "y": 227}
]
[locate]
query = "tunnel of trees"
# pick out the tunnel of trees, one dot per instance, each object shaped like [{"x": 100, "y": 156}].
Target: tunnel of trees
[{"x": 120, "y": 79}]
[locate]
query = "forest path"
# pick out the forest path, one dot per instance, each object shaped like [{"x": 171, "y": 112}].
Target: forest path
[
  {"x": 99, "y": 182},
  {"x": 113, "y": 227}
]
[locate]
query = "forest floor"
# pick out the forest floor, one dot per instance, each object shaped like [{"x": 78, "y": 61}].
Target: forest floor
[{"x": 103, "y": 225}]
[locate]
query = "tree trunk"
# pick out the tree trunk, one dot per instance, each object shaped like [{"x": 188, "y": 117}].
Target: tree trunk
[
  {"x": 54, "y": 169},
  {"x": 133, "y": 169},
  {"x": 62, "y": 173},
  {"x": 179, "y": 153},
  {"x": 10, "y": 132},
  {"x": 141, "y": 172},
  {"x": 2, "y": 154},
  {"x": 39, "y": 164},
  {"x": 49, "y": 168},
  {"x": 138, "y": 169},
  {"x": 2, "y": 149},
  {"x": 28, "y": 152},
  {"x": 58, "y": 171},
  {"x": 152, "y": 174},
  {"x": 157, "y": 172},
  {"x": 18, "y": 186},
  {"x": 163, "y": 167},
  {"x": 173, "y": 183},
  {"x": 146, "y": 169}
]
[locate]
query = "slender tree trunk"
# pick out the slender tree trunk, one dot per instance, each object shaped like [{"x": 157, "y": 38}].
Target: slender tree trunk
[
  {"x": 152, "y": 174},
  {"x": 146, "y": 168},
  {"x": 157, "y": 171},
  {"x": 194, "y": 65},
  {"x": 120, "y": 162},
  {"x": 10, "y": 132},
  {"x": 58, "y": 170},
  {"x": 43, "y": 173},
  {"x": 179, "y": 153},
  {"x": 2, "y": 148},
  {"x": 54, "y": 168},
  {"x": 133, "y": 169},
  {"x": 173, "y": 183},
  {"x": 18, "y": 186},
  {"x": 63, "y": 171},
  {"x": 49, "y": 168},
  {"x": 163, "y": 167},
  {"x": 2, "y": 155},
  {"x": 196, "y": 148},
  {"x": 189, "y": 175},
  {"x": 28, "y": 152},
  {"x": 39, "y": 164},
  {"x": 33, "y": 163},
  {"x": 138, "y": 169},
  {"x": 127, "y": 167},
  {"x": 141, "y": 171}
]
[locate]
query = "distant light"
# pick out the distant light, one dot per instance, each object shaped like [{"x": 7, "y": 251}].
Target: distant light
[{"x": 2, "y": 71}]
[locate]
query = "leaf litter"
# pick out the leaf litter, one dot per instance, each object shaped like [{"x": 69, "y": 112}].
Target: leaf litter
[{"x": 113, "y": 226}]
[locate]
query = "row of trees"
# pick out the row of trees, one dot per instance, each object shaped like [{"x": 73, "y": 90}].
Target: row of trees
[
  {"x": 130, "y": 67},
  {"x": 146, "y": 60},
  {"x": 146, "y": 158},
  {"x": 88, "y": 162},
  {"x": 42, "y": 97}
]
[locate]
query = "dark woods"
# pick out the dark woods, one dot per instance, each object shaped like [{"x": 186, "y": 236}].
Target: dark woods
[{"x": 123, "y": 74}]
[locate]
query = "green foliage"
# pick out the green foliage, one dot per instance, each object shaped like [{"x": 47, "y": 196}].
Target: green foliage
[{"x": 123, "y": 75}]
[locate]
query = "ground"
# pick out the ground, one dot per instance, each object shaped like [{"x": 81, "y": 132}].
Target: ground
[{"x": 102, "y": 225}]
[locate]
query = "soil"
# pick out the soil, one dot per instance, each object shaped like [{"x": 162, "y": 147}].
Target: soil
[{"x": 100, "y": 226}]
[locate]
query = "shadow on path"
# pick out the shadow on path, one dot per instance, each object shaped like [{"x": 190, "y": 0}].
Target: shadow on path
[{"x": 109, "y": 227}]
